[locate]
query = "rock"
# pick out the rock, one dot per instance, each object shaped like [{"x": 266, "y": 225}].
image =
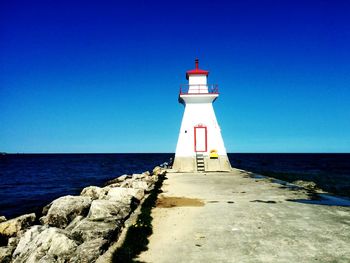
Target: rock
[
  {"x": 64, "y": 209},
  {"x": 11, "y": 227},
  {"x": 127, "y": 183},
  {"x": 74, "y": 223},
  {"x": 113, "y": 185},
  {"x": 157, "y": 170},
  {"x": 142, "y": 185},
  {"x": 44, "y": 244},
  {"x": 151, "y": 179},
  {"x": 123, "y": 177},
  {"x": 118, "y": 179},
  {"x": 48, "y": 259},
  {"x": 108, "y": 210},
  {"x": 94, "y": 192},
  {"x": 5, "y": 254},
  {"x": 308, "y": 185},
  {"x": 28, "y": 236},
  {"x": 125, "y": 194},
  {"x": 87, "y": 230},
  {"x": 2, "y": 219},
  {"x": 89, "y": 251},
  {"x": 13, "y": 242},
  {"x": 46, "y": 209},
  {"x": 138, "y": 176}
]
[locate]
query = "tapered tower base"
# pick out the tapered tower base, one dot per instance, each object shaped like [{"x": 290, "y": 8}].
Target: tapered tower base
[{"x": 189, "y": 164}]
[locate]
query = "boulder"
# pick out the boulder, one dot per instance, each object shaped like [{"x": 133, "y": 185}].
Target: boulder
[
  {"x": 46, "y": 209},
  {"x": 2, "y": 219},
  {"x": 28, "y": 236},
  {"x": 142, "y": 185},
  {"x": 127, "y": 183},
  {"x": 118, "y": 179},
  {"x": 89, "y": 251},
  {"x": 13, "y": 242},
  {"x": 157, "y": 170},
  {"x": 308, "y": 185},
  {"x": 138, "y": 176},
  {"x": 11, "y": 227},
  {"x": 112, "y": 185},
  {"x": 123, "y": 177},
  {"x": 43, "y": 244},
  {"x": 5, "y": 254},
  {"x": 125, "y": 194},
  {"x": 94, "y": 192},
  {"x": 74, "y": 223},
  {"x": 87, "y": 230},
  {"x": 107, "y": 210},
  {"x": 64, "y": 209},
  {"x": 151, "y": 179}
]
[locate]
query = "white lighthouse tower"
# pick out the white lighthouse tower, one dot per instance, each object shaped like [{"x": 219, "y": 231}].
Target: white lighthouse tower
[{"x": 200, "y": 146}]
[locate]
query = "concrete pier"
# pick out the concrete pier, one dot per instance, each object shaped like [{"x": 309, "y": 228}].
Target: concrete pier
[{"x": 231, "y": 217}]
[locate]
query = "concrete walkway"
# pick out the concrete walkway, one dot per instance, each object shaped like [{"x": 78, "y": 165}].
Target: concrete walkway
[{"x": 231, "y": 217}]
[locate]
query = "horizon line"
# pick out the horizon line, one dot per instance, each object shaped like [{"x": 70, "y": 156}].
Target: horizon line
[{"x": 18, "y": 153}]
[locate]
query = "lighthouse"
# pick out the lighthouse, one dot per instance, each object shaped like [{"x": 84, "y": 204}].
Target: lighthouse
[{"x": 200, "y": 146}]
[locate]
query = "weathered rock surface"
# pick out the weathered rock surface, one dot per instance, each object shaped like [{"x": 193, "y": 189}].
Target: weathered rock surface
[
  {"x": 119, "y": 179},
  {"x": 125, "y": 194},
  {"x": 157, "y": 170},
  {"x": 11, "y": 227},
  {"x": 308, "y": 185},
  {"x": 5, "y": 254},
  {"x": 87, "y": 230},
  {"x": 139, "y": 176},
  {"x": 94, "y": 192},
  {"x": 89, "y": 251},
  {"x": 44, "y": 244},
  {"x": 64, "y": 209},
  {"x": 74, "y": 223},
  {"x": 107, "y": 210},
  {"x": 46, "y": 209},
  {"x": 142, "y": 185},
  {"x": 127, "y": 183},
  {"x": 13, "y": 241},
  {"x": 75, "y": 228}
]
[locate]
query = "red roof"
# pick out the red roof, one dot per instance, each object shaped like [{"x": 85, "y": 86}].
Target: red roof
[{"x": 196, "y": 71}]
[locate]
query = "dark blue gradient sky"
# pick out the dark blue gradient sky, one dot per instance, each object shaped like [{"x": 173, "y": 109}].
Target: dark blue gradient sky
[{"x": 103, "y": 76}]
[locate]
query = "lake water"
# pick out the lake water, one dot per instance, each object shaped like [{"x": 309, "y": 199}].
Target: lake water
[{"x": 30, "y": 181}]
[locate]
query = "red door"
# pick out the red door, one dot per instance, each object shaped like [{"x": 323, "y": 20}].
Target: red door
[{"x": 200, "y": 139}]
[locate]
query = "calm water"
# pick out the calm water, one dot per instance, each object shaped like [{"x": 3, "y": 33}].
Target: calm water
[
  {"x": 30, "y": 181},
  {"x": 331, "y": 172}
]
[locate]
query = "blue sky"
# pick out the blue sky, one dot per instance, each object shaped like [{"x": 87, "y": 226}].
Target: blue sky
[{"x": 103, "y": 76}]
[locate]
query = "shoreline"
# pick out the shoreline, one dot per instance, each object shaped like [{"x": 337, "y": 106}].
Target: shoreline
[
  {"x": 77, "y": 228},
  {"x": 53, "y": 225}
]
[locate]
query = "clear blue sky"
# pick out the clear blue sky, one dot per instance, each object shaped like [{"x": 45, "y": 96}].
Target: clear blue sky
[{"x": 104, "y": 76}]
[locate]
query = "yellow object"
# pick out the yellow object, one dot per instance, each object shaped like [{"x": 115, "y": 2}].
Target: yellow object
[{"x": 213, "y": 154}]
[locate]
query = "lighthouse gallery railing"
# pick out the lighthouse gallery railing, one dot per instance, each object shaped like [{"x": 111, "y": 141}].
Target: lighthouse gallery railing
[{"x": 199, "y": 89}]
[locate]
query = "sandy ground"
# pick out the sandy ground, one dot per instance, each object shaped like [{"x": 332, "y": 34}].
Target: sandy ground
[{"x": 231, "y": 217}]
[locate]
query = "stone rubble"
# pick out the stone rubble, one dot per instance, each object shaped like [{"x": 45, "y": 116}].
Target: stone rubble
[{"x": 76, "y": 228}]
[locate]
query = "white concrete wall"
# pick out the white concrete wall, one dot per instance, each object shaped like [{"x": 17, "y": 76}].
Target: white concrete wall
[{"x": 199, "y": 114}]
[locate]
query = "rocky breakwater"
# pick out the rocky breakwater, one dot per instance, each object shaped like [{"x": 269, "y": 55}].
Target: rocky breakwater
[{"x": 76, "y": 228}]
